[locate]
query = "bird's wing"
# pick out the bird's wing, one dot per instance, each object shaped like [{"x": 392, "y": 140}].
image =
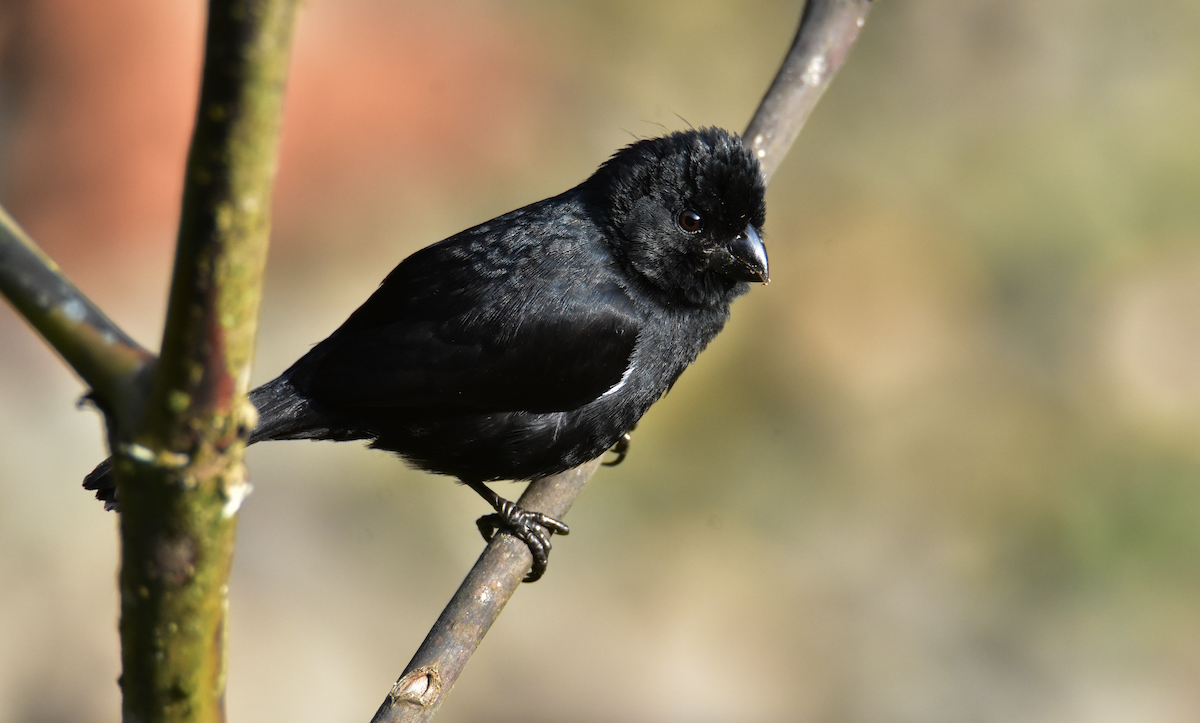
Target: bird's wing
[{"x": 470, "y": 344}]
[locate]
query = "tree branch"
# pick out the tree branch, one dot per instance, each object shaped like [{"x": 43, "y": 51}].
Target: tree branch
[
  {"x": 180, "y": 477},
  {"x": 115, "y": 367},
  {"x": 476, "y": 605},
  {"x": 828, "y": 28}
]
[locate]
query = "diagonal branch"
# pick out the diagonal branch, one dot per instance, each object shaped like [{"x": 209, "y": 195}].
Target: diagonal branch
[
  {"x": 828, "y": 28},
  {"x": 476, "y": 605},
  {"x": 112, "y": 364}
]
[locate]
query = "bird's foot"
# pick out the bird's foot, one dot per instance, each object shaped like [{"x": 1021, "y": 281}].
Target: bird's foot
[
  {"x": 532, "y": 528},
  {"x": 621, "y": 449}
]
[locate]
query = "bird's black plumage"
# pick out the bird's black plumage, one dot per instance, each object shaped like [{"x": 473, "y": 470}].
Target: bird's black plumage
[{"x": 531, "y": 343}]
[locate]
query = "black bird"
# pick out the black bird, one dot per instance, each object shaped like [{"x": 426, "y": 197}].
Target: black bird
[{"x": 534, "y": 342}]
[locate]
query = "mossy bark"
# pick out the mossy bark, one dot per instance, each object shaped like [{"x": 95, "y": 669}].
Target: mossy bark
[{"x": 180, "y": 478}]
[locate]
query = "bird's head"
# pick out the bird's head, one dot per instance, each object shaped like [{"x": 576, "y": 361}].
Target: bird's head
[{"x": 687, "y": 211}]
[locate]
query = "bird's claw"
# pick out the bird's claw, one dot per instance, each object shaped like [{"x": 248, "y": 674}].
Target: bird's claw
[
  {"x": 621, "y": 449},
  {"x": 532, "y": 528}
]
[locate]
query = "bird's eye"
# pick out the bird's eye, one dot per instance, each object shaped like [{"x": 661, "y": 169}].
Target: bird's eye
[{"x": 690, "y": 221}]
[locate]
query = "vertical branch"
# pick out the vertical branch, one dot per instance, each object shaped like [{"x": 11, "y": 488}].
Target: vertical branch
[
  {"x": 180, "y": 477},
  {"x": 828, "y": 28}
]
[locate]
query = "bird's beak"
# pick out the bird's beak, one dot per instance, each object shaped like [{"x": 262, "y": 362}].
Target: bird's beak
[{"x": 749, "y": 258}]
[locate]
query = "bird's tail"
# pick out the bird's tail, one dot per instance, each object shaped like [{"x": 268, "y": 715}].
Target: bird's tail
[{"x": 282, "y": 414}]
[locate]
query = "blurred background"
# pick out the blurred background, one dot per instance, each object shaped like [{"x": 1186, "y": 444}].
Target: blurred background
[{"x": 944, "y": 468}]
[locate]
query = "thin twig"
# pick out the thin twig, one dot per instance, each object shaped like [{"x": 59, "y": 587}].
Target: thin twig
[
  {"x": 112, "y": 364},
  {"x": 827, "y": 30},
  {"x": 476, "y": 605}
]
